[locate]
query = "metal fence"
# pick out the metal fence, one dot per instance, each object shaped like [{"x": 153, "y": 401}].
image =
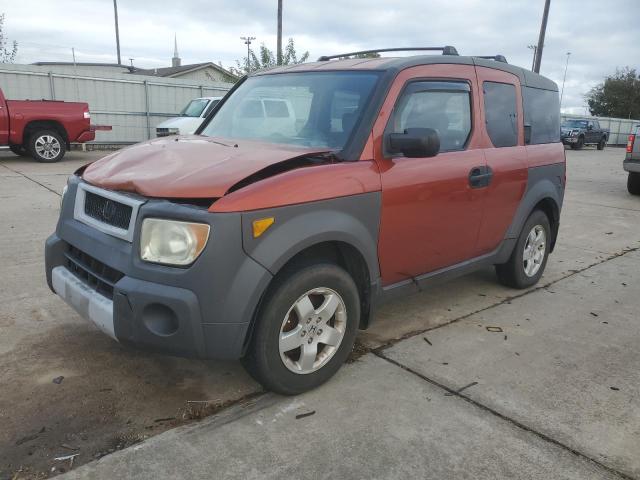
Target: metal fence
[
  {"x": 132, "y": 104},
  {"x": 619, "y": 128}
]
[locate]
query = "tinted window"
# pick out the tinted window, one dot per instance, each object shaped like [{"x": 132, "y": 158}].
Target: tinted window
[
  {"x": 500, "y": 113},
  {"x": 448, "y": 112},
  {"x": 542, "y": 112}
]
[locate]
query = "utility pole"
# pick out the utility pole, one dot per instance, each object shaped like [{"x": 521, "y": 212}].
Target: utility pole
[
  {"x": 115, "y": 11},
  {"x": 566, "y": 65},
  {"x": 279, "y": 47},
  {"x": 534, "y": 48},
  {"x": 247, "y": 42},
  {"x": 543, "y": 30}
]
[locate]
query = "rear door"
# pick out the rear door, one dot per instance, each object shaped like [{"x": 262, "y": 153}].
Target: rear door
[
  {"x": 505, "y": 154},
  {"x": 430, "y": 213},
  {"x": 4, "y": 121}
]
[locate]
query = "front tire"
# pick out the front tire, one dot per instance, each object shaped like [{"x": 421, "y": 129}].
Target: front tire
[
  {"x": 529, "y": 257},
  {"x": 46, "y": 146},
  {"x": 305, "y": 329},
  {"x": 633, "y": 183},
  {"x": 579, "y": 144},
  {"x": 602, "y": 143}
]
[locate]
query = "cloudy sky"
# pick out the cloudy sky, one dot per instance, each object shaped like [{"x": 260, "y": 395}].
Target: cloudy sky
[{"x": 600, "y": 34}]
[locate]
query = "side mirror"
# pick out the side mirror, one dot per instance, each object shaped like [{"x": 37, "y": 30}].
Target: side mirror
[
  {"x": 414, "y": 142},
  {"x": 527, "y": 134}
]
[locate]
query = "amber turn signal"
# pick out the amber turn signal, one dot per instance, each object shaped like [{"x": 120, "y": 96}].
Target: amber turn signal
[{"x": 260, "y": 226}]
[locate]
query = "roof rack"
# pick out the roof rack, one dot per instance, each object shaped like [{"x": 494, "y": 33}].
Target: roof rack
[
  {"x": 446, "y": 50},
  {"x": 497, "y": 58}
]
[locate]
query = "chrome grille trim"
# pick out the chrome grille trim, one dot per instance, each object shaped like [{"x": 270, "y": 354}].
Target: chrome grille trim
[{"x": 80, "y": 215}]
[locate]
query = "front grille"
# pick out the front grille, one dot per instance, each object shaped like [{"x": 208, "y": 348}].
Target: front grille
[
  {"x": 94, "y": 273},
  {"x": 107, "y": 211},
  {"x": 164, "y": 132}
]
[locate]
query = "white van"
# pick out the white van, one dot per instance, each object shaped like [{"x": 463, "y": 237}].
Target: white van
[{"x": 191, "y": 117}]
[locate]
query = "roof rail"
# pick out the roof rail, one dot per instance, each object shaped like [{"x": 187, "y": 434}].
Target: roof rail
[
  {"x": 497, "y": 58},
  {"x": 446, "y": 50}
]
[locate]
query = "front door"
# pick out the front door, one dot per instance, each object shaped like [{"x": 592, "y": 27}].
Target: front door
[{"x": 431, "y": 207}]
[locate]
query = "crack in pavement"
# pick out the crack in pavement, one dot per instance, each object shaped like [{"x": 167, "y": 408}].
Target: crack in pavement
[
  {"x": 457, "y": 393},
  {"x": 31, "y": 179}
]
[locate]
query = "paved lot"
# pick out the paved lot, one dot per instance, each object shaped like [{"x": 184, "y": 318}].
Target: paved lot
[{"x": 557, "y": 393}]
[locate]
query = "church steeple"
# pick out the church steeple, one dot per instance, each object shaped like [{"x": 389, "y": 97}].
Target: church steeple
[{"x": 175, "y": 61}]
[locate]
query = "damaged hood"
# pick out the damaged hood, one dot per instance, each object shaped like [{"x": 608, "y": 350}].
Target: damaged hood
[{"x": 187, "y": 166}]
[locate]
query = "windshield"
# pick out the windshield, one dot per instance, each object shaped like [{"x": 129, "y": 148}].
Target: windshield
[
  {"x": 318, "y": 110},
  {"x": 194, "y": 108},
  {"x": 575, "y": 124}
]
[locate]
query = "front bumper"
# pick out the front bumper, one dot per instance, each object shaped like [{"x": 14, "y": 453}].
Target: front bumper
[
  {"x": 202, "y": 311},
  {"x": 569, "y": 140}
]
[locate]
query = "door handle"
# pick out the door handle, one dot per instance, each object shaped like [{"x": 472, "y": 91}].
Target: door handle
[{"x": 480, "y": 177}]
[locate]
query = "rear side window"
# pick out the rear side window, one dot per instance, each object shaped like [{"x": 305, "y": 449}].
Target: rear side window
[
  {"x": 442, "y": 106},
  {"x": 542, "y": 113},
  {"x": 501, "y": 113}
]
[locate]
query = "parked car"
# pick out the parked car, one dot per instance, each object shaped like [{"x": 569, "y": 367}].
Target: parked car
[
  {"x": 276, "y": 246},
  {"x": 631, "y": 162},
  {"x": 191, "y": 117},
  {"x": 580, "y": 132},
  {"x": 43, "y": 129}
]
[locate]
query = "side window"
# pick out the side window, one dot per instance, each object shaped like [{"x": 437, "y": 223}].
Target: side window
[
  {"x": 501, "y": 113},
  {"x": 542, "y": 113},
  {"x": 251, "y": 109},
  {"x": 596, "y": 124},
  {"x": 442, "y": 106},
  {"x": 211, "y": 106}
]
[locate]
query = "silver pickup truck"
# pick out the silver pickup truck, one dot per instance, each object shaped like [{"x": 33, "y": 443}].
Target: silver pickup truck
[{"x": 631, "y": 162}]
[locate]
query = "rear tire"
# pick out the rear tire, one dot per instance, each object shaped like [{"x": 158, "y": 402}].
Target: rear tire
[
  {"x": 287, "y": 354},
  {"x": 46, "y": 146},
  {"x": 633, "y": 183},
  {"x": 19, "y": 150},
  {"x": 529, "y": 257},
  {"x": 602, "y": 143}
]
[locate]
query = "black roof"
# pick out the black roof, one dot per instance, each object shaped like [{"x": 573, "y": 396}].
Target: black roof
[{"x": 527, "y": 77}]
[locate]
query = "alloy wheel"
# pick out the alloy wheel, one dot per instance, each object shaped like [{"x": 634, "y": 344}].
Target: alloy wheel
[{"x": 312, "y": 330}]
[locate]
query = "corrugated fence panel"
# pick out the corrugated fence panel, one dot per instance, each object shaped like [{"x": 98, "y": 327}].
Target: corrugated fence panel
[{"x": 132, "y": 104}]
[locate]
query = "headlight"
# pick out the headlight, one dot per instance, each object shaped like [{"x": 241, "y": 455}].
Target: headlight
[
  {"x": 171, "y": 242},
  {"x": 173, "y": 131}
]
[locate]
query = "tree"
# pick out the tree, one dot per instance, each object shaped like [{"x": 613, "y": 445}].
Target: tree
[
  {"x": 267, "y": 59},
  {"x": 618, "y": 96},
  {"x": 7, "y": 54}
]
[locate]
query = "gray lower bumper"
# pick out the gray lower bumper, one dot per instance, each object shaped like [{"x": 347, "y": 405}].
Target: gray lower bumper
[
  {"x": 87, "y": 302},
  {"x": 631, "y": 166}
]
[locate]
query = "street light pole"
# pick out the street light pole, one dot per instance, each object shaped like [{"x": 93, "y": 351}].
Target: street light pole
[
  {"x": 279, "y": 47},
  {"x": 115, "y": 12},
  {"x": 247, "y": 42},
  {"x": 566, "y": 66},
  {"x": 543, "y": 30}
]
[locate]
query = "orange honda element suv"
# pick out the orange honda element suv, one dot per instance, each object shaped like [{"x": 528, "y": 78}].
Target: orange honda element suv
[{"x": 311, "y": 194}]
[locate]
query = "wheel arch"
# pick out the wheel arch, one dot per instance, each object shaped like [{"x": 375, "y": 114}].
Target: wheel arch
[
  {"x": 545, "y": 191},
  {"x": 37, "y": 125}
]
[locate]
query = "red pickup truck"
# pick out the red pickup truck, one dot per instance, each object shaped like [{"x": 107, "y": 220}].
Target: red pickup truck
[{"x": 43, "y": 129}]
